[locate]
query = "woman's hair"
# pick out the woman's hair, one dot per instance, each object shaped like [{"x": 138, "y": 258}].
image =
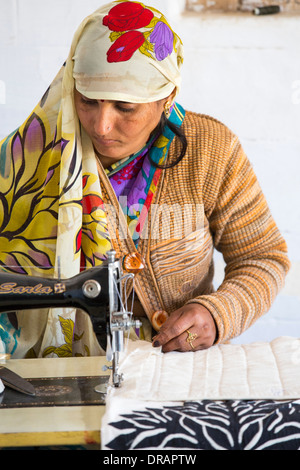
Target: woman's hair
[{"x": 178, "y": 133}]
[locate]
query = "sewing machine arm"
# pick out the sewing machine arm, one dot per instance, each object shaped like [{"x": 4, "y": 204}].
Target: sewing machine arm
[{"x": 97, "y": 291}]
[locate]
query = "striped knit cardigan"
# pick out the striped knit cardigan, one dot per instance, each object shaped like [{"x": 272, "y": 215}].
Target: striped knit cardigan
[{"x": 210, "y": 200}]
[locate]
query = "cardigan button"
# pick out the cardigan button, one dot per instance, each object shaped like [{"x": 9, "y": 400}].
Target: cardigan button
[
  {"x": 133, "y": 263},
  {"x": 158, "y": 318}
]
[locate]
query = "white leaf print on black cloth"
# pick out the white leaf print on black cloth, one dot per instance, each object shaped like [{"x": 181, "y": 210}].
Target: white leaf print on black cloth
[{"x": 211, "y": 425}]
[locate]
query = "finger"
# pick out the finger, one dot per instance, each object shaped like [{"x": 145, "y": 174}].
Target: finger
[
  {"x": 187, "y": 341},
  {"x": 177, "y": 323},
  {"x": 170, "y": 330}
]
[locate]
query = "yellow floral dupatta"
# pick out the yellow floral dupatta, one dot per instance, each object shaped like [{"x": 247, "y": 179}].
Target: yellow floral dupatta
[
  {"x": 44, "y": 177},
  {"x": 51, "y": 210}
]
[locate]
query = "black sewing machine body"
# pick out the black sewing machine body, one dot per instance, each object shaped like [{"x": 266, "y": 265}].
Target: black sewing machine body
[
  {"x": 22, "y": 292},
  {"x": 97, "y": 291}
]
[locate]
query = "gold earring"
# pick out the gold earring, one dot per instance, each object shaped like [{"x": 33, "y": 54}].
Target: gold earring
[{"x": 167, "y": 109}]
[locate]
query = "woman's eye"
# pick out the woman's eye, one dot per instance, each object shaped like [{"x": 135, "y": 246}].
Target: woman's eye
[
  {"x": 87, "y": 101},
  {"x": 119, "y": 106},
  {"x": 123, "y": 109}
]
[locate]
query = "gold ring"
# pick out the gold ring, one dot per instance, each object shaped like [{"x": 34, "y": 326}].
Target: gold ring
[{"x": 190, "y": 338}]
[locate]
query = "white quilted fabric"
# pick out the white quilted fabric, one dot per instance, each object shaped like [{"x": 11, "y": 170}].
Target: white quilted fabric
[{"x": 263, "y": 370}]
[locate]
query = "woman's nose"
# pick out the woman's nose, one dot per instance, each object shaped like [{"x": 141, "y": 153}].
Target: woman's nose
[{"x": 104, "y": 120}]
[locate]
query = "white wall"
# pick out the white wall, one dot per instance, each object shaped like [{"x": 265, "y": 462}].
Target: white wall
[{"x": 239, "y": 68}]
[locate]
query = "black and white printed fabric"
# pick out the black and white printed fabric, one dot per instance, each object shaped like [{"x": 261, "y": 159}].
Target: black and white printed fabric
[
  {"x": 209, "y": 425},
  {"x": 225, "y": 397}
]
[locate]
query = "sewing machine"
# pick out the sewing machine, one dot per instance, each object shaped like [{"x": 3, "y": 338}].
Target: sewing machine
[{"x": 99, "y": 291}]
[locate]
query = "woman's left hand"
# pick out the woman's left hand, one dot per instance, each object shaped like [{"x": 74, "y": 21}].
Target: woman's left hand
[{"x": 191, "y": 318}]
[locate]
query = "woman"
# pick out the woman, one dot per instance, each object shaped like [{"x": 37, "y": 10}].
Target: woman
[{"x": 109, "y": 159}]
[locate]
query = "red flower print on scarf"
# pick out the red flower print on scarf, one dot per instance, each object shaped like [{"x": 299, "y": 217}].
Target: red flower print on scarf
[
  {"x": 157, "y": 41},
  {"x": 127, "y": 16},
  {"x": 124, "y": 47}
]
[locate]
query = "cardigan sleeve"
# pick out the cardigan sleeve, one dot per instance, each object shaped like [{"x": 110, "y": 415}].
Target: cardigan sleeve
[{"x": 253, "y": 249}]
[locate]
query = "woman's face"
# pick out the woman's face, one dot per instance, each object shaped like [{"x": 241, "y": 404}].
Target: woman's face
[{"x": 117, "y": 129}]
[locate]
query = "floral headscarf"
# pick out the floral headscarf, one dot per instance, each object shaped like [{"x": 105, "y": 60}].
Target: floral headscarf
[{"x": 128, "y": 52}]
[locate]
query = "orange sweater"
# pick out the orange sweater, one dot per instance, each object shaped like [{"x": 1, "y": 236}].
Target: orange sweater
[{"x": 211, "y": 199}]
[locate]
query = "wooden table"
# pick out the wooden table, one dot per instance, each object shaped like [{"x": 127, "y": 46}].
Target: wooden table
[{"x": 53, "y": 425}]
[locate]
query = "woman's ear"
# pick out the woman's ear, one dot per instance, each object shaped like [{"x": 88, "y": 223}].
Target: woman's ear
[
  {"x": 171, "y": 97},
  {"x": 168, "y": 103}
]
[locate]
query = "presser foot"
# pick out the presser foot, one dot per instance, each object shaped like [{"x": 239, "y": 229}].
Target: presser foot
[
  {"x": 117, "y": 379},
  {"x": 101, "y": 388}
]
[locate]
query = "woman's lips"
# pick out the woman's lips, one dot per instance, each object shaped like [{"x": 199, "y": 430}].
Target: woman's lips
[{"x": 106, "y": 142}]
